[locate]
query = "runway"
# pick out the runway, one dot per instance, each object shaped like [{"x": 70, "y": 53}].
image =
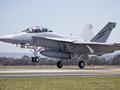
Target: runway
[{"x": 58, "y": 72}]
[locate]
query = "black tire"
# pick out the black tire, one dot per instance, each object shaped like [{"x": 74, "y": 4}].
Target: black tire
[
  {"x": 81, "y": 64},
  {"x": 35, "y": 59},
  {"x": 59, "y": 64}
]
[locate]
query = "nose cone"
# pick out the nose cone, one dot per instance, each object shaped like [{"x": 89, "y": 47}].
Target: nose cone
[
  {"x": 16, "y": 38},
  {"x": 7, "y": 38}
]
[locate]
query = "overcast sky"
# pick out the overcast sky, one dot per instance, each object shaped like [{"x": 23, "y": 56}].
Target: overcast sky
[{"x": 62, "y": 16}]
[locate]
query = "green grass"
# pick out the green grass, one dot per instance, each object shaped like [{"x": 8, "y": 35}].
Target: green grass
[{"x": 62, "y": 83}]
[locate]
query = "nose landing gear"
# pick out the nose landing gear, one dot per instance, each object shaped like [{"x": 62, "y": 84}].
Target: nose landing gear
[{"x": 35, "y": 59}]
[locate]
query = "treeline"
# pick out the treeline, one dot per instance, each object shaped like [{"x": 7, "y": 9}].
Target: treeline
[{"x": 25, "y": 60}]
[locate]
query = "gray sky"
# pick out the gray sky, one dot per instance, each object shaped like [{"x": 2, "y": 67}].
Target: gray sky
[{"x": 62, "y": 16}]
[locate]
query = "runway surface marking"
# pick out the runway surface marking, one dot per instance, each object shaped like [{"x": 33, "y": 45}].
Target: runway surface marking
[{"x": 58, "y": 72}]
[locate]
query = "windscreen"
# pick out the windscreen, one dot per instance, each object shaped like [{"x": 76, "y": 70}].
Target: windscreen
[{"x": 37, "y": 29}]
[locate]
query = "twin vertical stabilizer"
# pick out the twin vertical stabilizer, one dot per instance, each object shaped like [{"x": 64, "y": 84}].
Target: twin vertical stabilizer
[{"x": 103, "y": 35}]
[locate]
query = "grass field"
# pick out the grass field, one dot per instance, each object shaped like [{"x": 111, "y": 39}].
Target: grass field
[{"x": 62, "y": 83}]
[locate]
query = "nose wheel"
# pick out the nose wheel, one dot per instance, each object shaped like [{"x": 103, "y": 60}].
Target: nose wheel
[{"x": 35, "y": 59}]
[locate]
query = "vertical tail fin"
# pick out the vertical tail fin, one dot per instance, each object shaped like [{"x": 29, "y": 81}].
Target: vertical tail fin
[{"x": 103, "y": 35}]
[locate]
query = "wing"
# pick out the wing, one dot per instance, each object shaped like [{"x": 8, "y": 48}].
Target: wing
[{"x": 72, "y": 46}]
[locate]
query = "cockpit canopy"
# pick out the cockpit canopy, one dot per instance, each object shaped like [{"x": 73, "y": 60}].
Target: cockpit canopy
[{"x": 36, "y": 29}]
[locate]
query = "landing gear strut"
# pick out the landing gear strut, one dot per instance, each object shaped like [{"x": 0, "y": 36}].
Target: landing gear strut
[
  {"x": 59, "y": 64},
  {"x": 35, "y": 58}
]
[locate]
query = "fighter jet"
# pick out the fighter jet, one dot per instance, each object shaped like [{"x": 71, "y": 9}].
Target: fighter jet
[{"x": 50, "y": 44}]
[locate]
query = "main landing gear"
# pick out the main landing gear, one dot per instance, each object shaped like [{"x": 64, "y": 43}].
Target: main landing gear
[
  {"x": 79, "y": 60},
  {"x": 59, "y": 64},
  {"x": 81, "y": 64}
]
